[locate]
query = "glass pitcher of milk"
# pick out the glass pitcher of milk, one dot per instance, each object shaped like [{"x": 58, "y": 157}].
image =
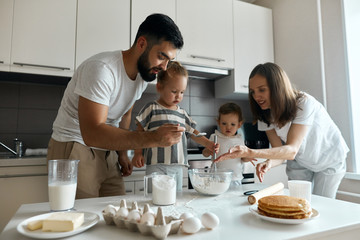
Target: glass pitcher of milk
[
  {"x": 163, "y": 188},
  {"x": 62, "y": 183}
]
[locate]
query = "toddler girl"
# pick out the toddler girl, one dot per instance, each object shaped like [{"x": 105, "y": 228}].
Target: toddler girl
[
  {"x": 229, "y": 121},
  {"x": 171, "y": 86}
]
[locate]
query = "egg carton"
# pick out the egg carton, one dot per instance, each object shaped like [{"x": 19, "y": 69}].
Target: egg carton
[{"x": 162, "y": 227}]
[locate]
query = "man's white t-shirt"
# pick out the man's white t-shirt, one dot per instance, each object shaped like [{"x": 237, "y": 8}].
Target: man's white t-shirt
[
  {"x": 323, "y": 145},
  {"x": 101, "y": 79}
]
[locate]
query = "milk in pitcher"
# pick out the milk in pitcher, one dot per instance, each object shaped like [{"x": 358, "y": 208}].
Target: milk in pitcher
[{"x": 62, "y": 196}]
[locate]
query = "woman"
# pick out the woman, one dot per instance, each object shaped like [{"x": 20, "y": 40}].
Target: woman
[{"x": 299, "y": 130}]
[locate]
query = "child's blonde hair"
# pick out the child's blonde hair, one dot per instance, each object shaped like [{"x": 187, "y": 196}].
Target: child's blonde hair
[
  {"x": 228, "y": 108},
  {"x": 173, "y": 68}
]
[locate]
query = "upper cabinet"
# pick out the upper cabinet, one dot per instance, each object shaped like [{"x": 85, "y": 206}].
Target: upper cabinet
[
  {"x": 53, "y": 37},
  {"x": 207, "y": 29},
  {"x": 6, "y": 13},
  {"x": 102, "y": 25},
  {"x": 140, "y": 9},
  {"x": 43, "y": 39},
  {"x": 253, "y": 44}
]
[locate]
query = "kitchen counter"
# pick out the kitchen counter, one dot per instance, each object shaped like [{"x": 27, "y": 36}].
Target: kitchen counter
[
  {"x": 337, "y": 220},
  {"x": 26, "y": 166},
  {"x": 24, "y": 161}
]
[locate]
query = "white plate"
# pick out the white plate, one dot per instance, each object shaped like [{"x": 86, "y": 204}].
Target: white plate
[
  {"x": 90, "y": 219},
  {"x": 253, "y": 210}
]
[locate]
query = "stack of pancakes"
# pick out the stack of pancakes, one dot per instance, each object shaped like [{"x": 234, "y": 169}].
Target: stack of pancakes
[{"x": 280, "y": 206}]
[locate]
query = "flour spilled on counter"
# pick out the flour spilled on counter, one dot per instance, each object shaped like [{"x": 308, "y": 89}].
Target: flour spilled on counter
[{"x": 210, "y": 185}]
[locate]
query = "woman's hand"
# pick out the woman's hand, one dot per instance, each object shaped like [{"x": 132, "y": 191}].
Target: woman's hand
[
  {"x": 239, "y": 151},
  {"x": 249, "y": 160},
  {"x": 262, "y": 168},
  {"x": 138, "y": 160}
]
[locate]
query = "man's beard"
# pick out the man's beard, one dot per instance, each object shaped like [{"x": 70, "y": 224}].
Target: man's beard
[{"x": 143, "y": 66}]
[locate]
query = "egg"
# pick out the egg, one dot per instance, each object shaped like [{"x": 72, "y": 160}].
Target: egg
[
  {"x": 210, "y": 220},
  {"x": 110, "y": 210},
  {"x": 191, "y": 225},
  {"x": 186, "y": 215},
  {"x": 122, "y": 212},
  {"x": 134, "y": 215},
  {"x": 148, "y": 218}
]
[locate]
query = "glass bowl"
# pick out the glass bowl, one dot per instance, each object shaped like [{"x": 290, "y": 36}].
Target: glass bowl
[{"x": 210, "y": 183}]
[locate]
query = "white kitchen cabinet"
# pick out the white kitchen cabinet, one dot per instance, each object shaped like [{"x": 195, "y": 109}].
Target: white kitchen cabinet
[
  {"x": 21, "y": 181},
  {"x": 6, "y": 13},
  {"x": 129, "y": 188},
  {"x": 139, "y": 187},
  {"x": 16, "y": 191},
  {"x": 102, "y": 25},
  {"x": 43, "y": 39},
  {"x": 206, "y": 26},
  {"x": 140, "y": 9},
  {"x": 185, "y": 183},
  {"x": 253, "y": 44}
]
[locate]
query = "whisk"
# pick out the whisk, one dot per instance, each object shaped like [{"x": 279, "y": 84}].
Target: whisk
[{"x": 213, "y": 164}]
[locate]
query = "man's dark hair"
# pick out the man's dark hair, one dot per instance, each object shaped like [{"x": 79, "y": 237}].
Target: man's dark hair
[{"x": 159, "y": 27}]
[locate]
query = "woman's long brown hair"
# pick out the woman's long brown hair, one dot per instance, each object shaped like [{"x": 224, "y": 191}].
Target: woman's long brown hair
[{"x": 283, "y": 97}]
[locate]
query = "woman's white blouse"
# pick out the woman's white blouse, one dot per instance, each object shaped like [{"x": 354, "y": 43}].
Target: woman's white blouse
[{"x": 323, "y": 145}]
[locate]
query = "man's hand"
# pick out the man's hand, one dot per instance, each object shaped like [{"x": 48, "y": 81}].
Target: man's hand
[
  {"x": 125, "y": 166},
  {"x": 168, "y": 135}
]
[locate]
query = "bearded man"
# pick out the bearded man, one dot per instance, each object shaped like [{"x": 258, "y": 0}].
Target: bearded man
[{"x": 93, "y": 120}]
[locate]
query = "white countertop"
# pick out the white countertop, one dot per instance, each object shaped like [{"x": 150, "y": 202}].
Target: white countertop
[{"x": 337, "y": 218}]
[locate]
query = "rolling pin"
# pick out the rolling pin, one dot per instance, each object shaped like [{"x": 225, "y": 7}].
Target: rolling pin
[{"x": 252, "y": 199}]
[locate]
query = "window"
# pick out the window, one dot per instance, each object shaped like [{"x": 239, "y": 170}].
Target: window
[{"x": 352, "y": 23}]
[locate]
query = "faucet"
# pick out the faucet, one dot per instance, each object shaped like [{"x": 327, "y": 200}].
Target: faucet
[{"x": 18, "y": 147}]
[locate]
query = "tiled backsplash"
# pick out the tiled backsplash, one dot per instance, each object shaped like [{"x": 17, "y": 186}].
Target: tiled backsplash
[{"x": 27, "y": 110}]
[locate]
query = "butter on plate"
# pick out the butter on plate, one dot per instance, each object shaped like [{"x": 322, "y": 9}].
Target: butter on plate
[
  {"x": 35, "y": 225},
  {"x": 62, "y": 222}
]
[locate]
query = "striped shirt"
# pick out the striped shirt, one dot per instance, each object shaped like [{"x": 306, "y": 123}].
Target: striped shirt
[{"x": 151, "y": 117}]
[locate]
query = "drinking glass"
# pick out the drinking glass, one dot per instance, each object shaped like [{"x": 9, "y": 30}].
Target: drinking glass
[{"x": 62, "y": 183}]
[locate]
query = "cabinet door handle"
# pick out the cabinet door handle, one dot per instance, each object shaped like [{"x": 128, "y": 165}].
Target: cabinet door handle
[
  {"x": 208, "y": 58},
  {"x": 141, "y": 189},
  {"x": 245, "y": 86},
  {"x": 1, "y": 62},
  {"x": 42, "y": 66},
  {"x": 128, "y": 191}
]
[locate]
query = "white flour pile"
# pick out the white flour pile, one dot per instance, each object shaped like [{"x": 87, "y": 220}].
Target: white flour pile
[{"x": 210, "y": 185}]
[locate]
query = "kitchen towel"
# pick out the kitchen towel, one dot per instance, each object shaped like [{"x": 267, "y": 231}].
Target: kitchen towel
[{"x": 36, "y": 152}]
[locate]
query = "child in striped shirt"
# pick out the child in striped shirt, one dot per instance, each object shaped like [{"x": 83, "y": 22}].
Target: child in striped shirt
[{"x": 171, "y": 85}]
